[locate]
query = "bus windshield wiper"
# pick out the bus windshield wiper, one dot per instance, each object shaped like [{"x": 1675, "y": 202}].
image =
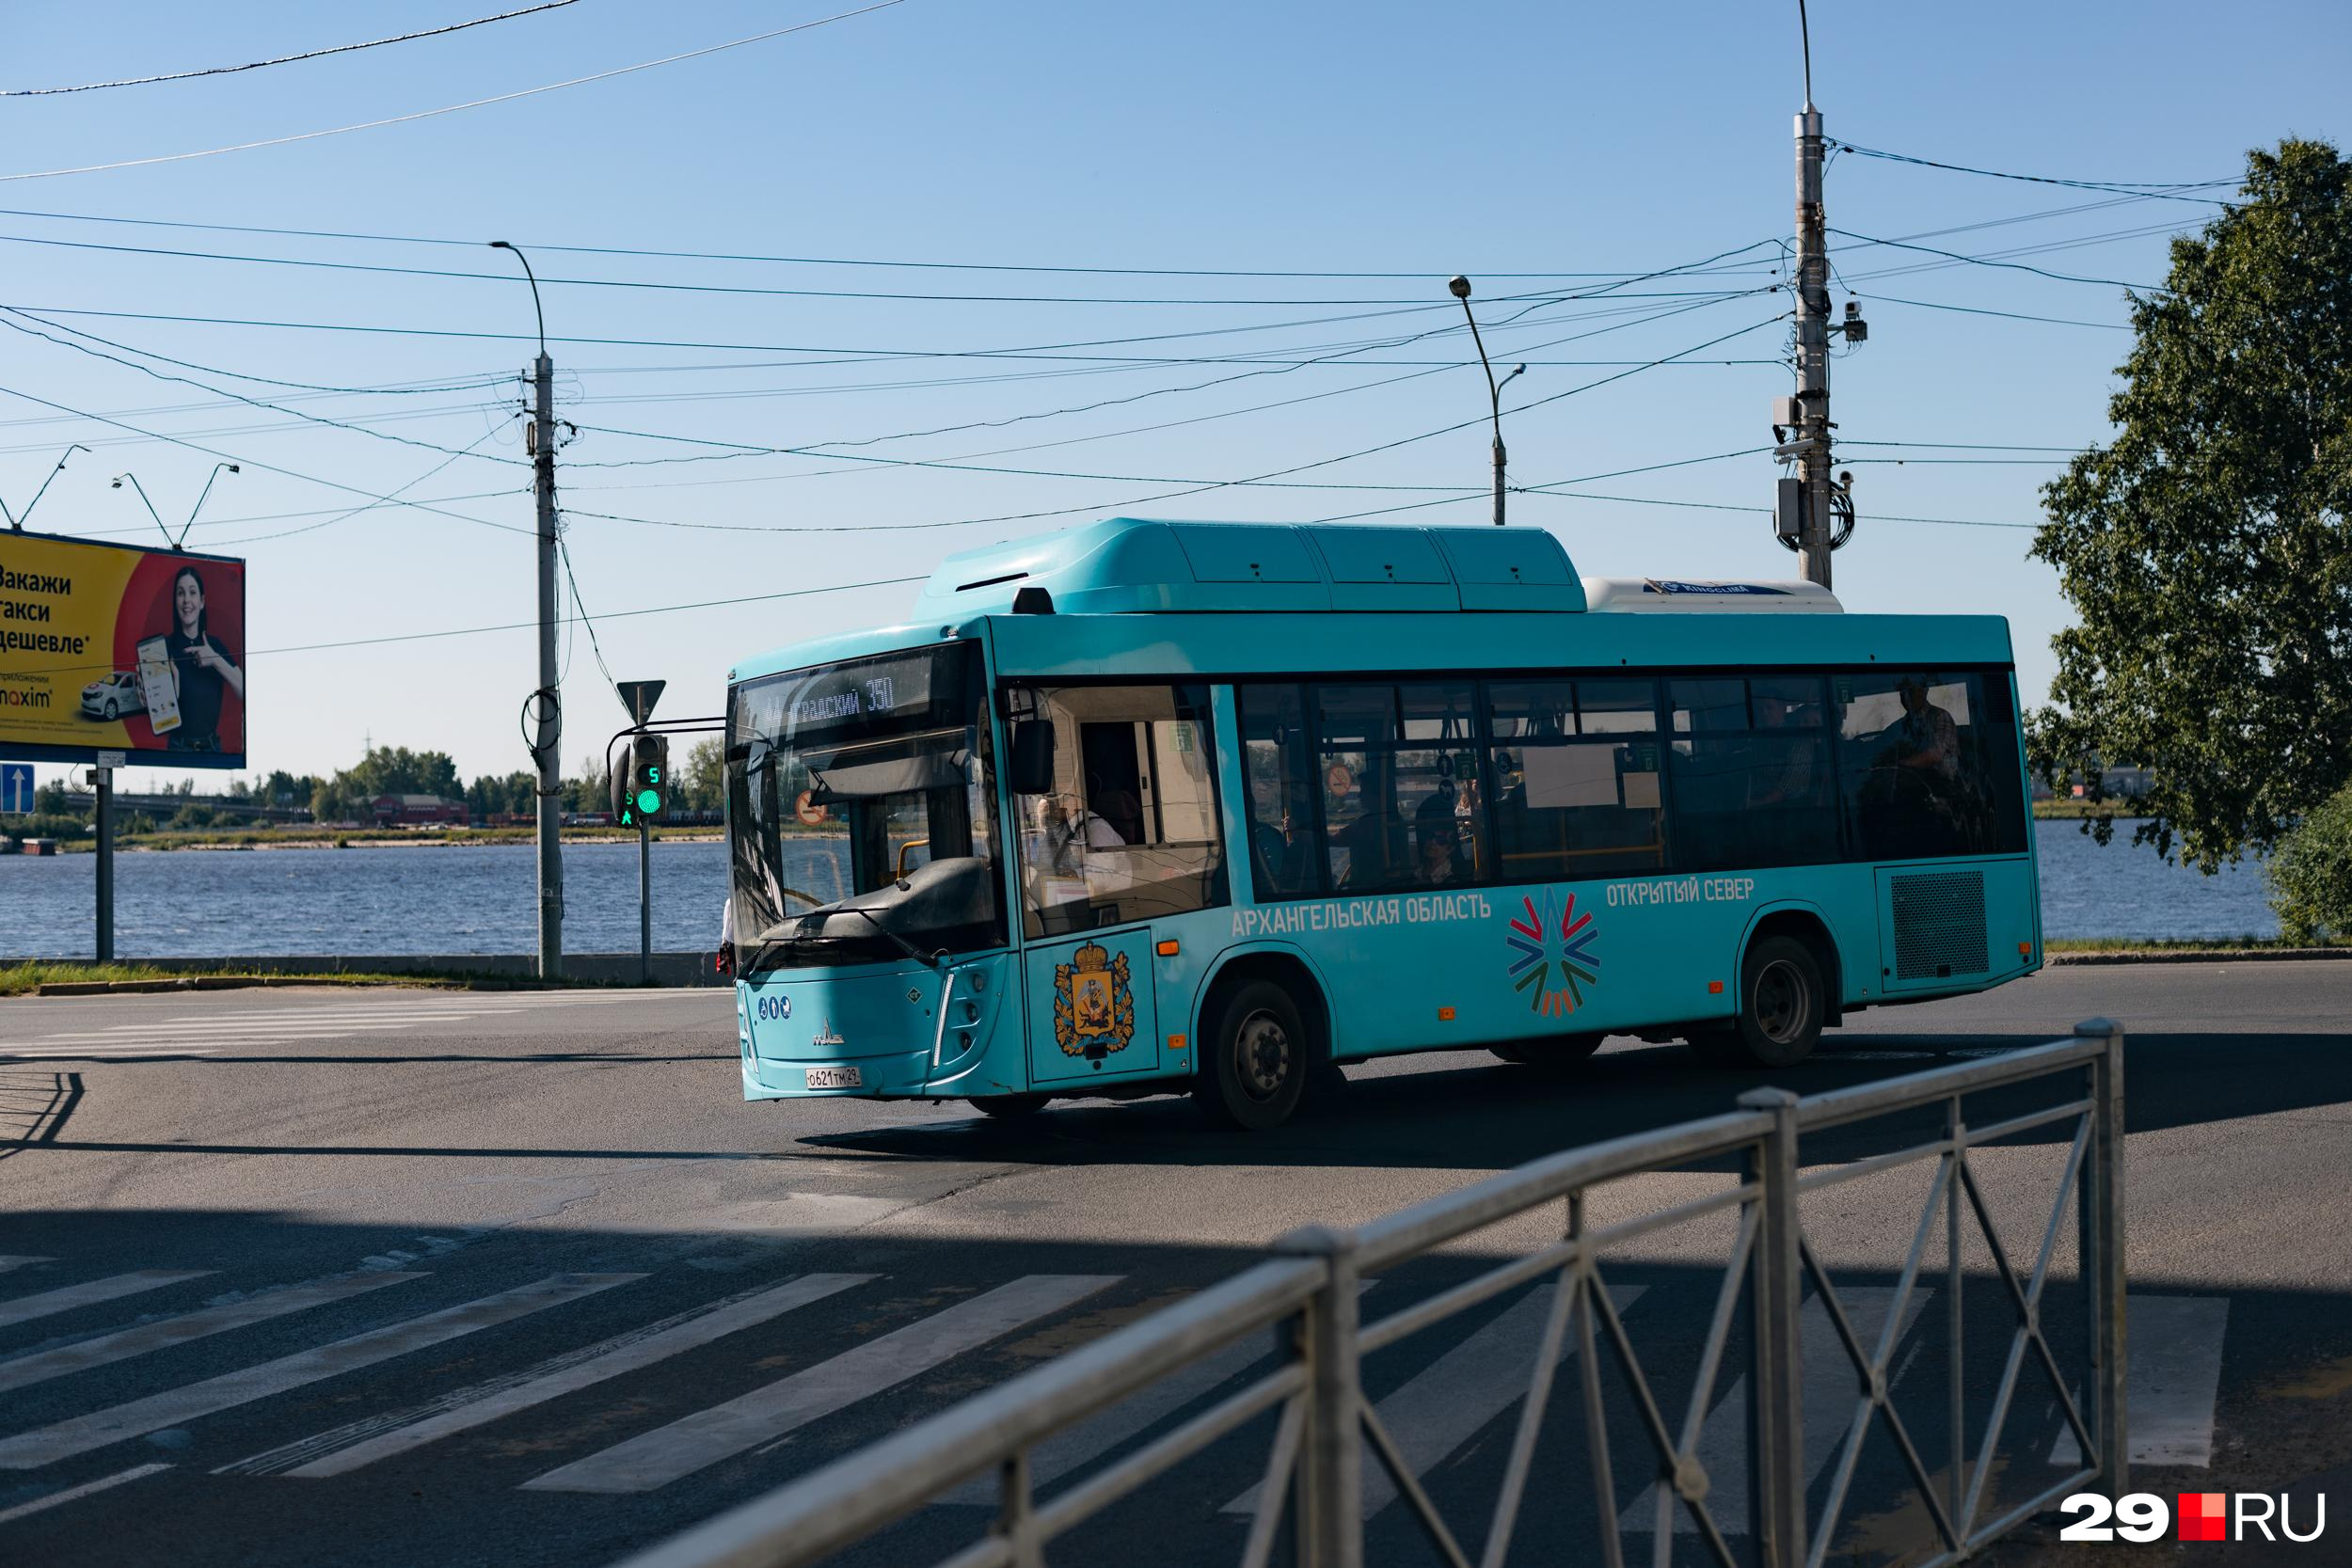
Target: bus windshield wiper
[
  {"x": 930, "y": 960},
  {"x": 770, "y": 943}
]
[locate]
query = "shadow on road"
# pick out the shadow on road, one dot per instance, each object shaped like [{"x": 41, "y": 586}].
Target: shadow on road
[{"x": 1467, "y": 1111}]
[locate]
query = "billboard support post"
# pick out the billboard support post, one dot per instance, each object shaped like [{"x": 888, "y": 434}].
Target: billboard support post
[{"x": 103, "y": 785}]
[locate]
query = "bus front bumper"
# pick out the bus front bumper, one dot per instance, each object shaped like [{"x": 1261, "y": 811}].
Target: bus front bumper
[{"x": 875, "y": 1032}]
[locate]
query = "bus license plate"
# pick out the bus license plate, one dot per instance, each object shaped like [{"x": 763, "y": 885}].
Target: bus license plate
[{"x": 834, "y": 1078}]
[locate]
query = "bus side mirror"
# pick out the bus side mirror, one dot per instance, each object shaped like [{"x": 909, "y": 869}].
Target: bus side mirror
[{"x": 1032, "y": 760}]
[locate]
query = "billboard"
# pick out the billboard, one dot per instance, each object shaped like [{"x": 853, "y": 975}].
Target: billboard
[{"x": 122, "y": 649}]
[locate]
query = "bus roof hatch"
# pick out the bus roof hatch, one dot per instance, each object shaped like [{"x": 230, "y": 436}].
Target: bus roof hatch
[{"x": 1129, "y": 566}]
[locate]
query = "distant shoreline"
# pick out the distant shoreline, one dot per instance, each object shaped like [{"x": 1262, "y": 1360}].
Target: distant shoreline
[{"x": 203, "y": 843}]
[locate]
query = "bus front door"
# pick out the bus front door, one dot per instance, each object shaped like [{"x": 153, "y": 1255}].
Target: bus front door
[{"x": 1091, "y": 1010}]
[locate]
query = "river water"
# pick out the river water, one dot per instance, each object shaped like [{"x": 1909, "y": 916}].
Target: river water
[{"x": 483, "y": 898}]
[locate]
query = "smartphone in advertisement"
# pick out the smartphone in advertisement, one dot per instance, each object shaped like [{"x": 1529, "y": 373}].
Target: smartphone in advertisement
[{"x": 160, "y": 684}]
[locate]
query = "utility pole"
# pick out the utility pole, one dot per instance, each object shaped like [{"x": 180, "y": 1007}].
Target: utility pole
[
  {"x": 546, "y": 702},
  {"x": 1812, "y": 329}
]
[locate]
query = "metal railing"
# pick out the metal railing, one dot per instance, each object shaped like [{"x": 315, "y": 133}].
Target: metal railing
[{"x": 1308, "y": 1294}]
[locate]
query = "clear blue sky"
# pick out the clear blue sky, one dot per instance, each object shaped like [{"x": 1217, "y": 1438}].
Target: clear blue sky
[{"x": 1360, "y": 138}]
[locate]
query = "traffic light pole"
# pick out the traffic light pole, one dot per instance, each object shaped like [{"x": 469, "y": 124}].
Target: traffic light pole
[{"x": 644, "y": 905}]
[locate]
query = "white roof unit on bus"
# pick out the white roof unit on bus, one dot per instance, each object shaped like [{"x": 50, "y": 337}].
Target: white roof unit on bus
[{"x": 1652, "y": 595}]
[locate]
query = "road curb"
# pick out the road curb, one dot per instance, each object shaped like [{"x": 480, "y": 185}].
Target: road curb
[
  {"x": 2201, "y": 956},
  {"x": 246, "y": 982}
]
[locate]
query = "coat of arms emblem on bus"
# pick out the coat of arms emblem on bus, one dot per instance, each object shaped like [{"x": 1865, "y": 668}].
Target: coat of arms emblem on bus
[
  {"x": 1094, "y": 1011},
  {"x": 1549, "y": 944}
]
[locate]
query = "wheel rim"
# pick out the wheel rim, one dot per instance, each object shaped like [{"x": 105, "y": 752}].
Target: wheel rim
[
  {"x": 1262, "y": 1055},
  {"x": 1784, "y": 1003}
]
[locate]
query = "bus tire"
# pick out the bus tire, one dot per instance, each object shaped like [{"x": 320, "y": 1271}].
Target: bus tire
[
  {"x": 1783, "y": 1004},
  {"x": 1258, "y": 1060},
  {"x": 1551, "y": 1052},
  {"x": 1008, "y": 1107}
]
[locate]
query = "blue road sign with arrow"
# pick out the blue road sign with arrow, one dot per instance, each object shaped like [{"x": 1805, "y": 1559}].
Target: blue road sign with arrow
[{"x": 16, "y": 786}]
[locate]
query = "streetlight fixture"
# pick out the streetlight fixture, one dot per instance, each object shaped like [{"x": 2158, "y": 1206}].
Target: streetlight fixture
[
  {"x": 16, "y": 519},
  {"x": 547, "y": 743},
  {"x": 533, "y": 279},
  {"x": 1460, "y": 288},
  {"x": 175, "y": 544}
]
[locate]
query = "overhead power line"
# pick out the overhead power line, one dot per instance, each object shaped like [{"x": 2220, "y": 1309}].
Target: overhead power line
[
  {"x": 288, "y": 59},
  {"x": 2014, "y": 266},
  {"x": 2154, "y": 190},
  {"x": 7, "y": 320},
  {"x": 648, "y": 253},
  {"x": 250, "y": 463},
  {"x": 902, "y": 296},
  {"x": 2012, "y": 315},
  {"x": 607, "y": 615},
  {"x": 453, "y": 108}
]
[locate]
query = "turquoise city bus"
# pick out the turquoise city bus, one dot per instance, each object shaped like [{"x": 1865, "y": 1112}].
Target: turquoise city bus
[{"x": 1145, "y": 807}]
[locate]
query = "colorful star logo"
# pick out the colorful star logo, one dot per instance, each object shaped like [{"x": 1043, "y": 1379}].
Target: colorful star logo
[{"x": 1545, "y": 943}]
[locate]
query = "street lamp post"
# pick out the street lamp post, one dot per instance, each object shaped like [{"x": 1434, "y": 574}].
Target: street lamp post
[
  {"x": 1460, "y": 288},
  {"x": 18, "y": 520},
  {"x": 135, "y": 485},
  {"x": 546, "y": 748}
]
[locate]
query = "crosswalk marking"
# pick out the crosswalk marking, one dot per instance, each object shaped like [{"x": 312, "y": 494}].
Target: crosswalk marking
[
  {"x": 1098, "y": 1435},
  {"x": 143, "y": 1337},
  {"x": 1446, "y": 1402},
  {"x": 1830, "y": 1386},
  {"x": 360, "y": 1443},
  {"x": 66, "y": 1298},
  {"x": 104, "y": 1484},
  {"x": 125, "y": 1054},
  {"x": 2172, "y": 1379},
  {"x": 198, "y": 1032},
  {"x": 45, "y": 1444},
  {"x": 693, "y": 1442}
]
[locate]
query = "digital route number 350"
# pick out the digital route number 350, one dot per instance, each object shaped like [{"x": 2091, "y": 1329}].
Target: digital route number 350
[{"x": 2203, "y": 1516}]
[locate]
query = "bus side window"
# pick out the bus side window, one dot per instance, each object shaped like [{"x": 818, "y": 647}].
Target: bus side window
[
  {"x": 1751, "y": 773},
  {"x": 1575, "y": 765},
  {"x": 1277, "y": 772},
  {"x": 1390, "y": 760},
  {"x": 1128, "y": 830},
  {"x": 1926, "y": 771}
]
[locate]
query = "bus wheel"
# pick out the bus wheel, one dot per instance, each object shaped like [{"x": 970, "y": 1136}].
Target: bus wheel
[
  {"x": 1008, "y": 1107},
  {"x": 1783, "y": 1004},
  {"x": 1257, "y": 1064},
  {"x": 1552, "y": 1052}
]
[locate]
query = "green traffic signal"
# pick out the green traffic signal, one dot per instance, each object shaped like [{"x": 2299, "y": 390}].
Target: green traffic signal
[{"x": 649, "y": 800}]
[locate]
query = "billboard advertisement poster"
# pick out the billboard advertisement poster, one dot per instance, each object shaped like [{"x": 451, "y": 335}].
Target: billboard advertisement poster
[{"x": 120, "y": 648}]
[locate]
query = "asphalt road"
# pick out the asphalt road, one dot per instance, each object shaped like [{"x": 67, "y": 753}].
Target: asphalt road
[{"x": 395, "y": 1277}]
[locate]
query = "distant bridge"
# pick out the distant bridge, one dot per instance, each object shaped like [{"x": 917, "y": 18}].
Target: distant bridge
[{"x": 163, "y": 805}]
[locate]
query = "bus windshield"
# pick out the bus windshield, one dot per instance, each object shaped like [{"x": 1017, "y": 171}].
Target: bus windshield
[{"x": 859, "y": 816}]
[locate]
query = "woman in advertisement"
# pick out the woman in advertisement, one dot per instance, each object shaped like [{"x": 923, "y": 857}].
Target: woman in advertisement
[{"x": 200, "y": 664}]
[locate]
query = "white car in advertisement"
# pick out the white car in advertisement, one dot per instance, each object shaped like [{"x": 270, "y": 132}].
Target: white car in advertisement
[{"x": 114, "y": 696}]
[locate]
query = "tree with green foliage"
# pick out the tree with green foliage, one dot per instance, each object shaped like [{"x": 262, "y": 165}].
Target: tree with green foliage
[
  {"x": 384, "y": 770},
  {"x": 2205, "y": 548},
  {"x": 2311, "y": 876},
  {"x": 702, "y": 782}
]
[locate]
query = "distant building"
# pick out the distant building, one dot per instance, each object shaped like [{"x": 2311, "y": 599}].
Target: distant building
[{"x": 418, "y": 811}]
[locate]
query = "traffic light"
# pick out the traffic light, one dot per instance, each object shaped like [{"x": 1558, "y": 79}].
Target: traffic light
[{"x": 642, "y": 794}]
